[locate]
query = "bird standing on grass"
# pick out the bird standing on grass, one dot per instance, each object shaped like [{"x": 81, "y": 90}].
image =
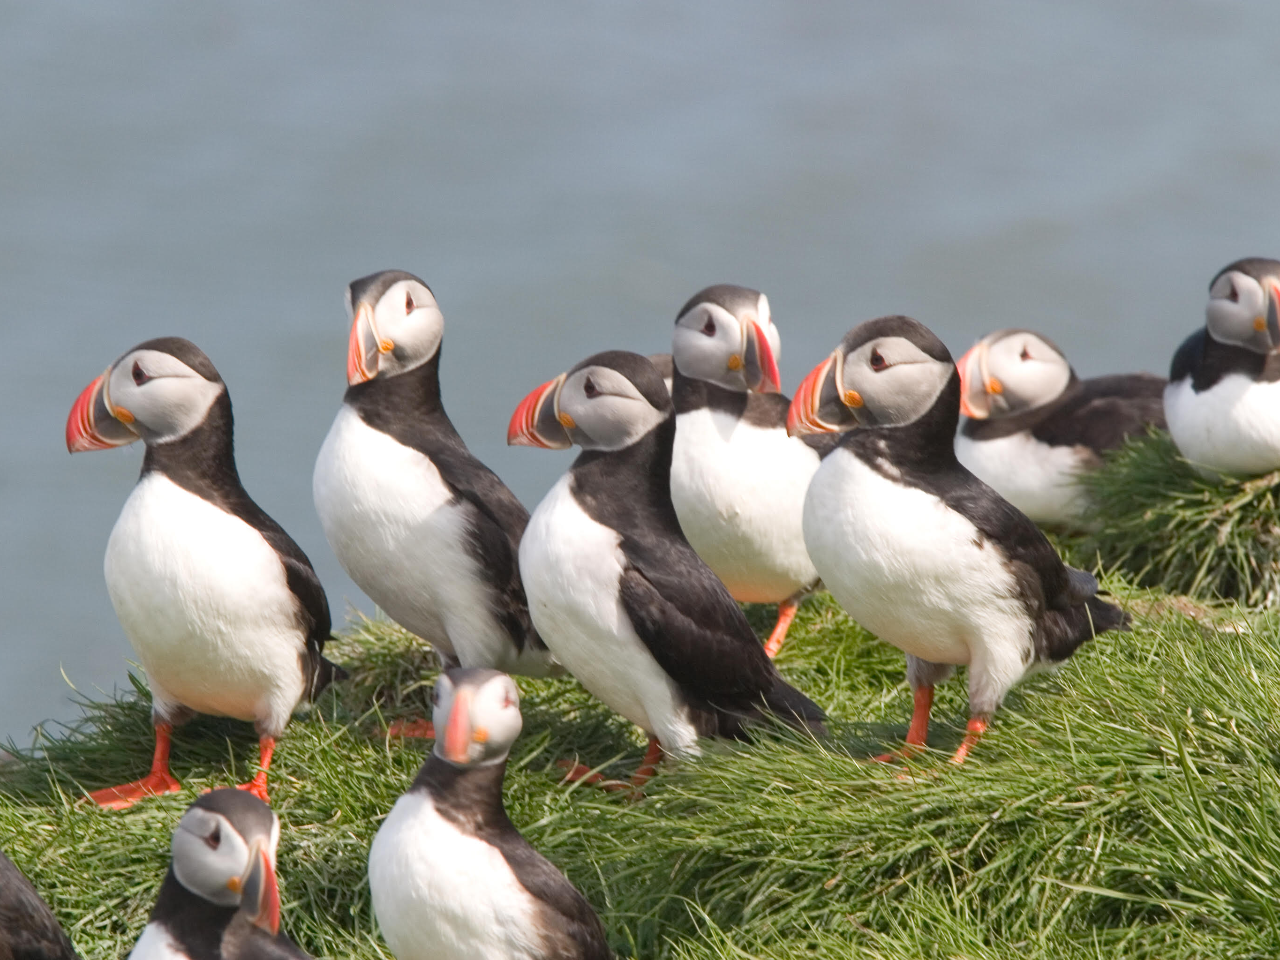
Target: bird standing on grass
[
  {"x": 915, "y": 547},
  {"x": 220, "y": 899},
  {"x": 1029, "y": 426},
  {"x": 737, "y": 479},
  {"x": 1223, "y": 397},
  {"x": 450, "y": 875},
  {"x": 423, "y": 527},
  {"x": 28, "y": 928},
  {"x": 223, "y": 609},
  {"x": 614, "y": 587}
]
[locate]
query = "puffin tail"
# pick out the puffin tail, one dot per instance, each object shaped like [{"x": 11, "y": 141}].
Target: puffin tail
[
  {"x": 792, "y": 707},
  {"x": 323, "y": 673}
]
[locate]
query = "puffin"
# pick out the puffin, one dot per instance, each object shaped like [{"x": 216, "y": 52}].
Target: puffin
[
  {"x": 423, "y": 527},
  {"x": 1223, "y": 397},
  {"x": 220, "y": 899},
  {"x": 1029, "y": 426},
  {"x": 28, "y": 928},
  {"x": 738, "y": 479},
  {"x": 916, "y": 548},
  {"x": 450, "y": 876},
  {"x": 616, "y": 590},
  {"x": 222, "y": 607}
]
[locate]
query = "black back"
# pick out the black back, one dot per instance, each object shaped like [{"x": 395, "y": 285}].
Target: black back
[
  {"x": 1206, "y": 362},
  {"x": 680, "y": 610},
  {"x": 204, "y": 463},
  {"x": 206, "y": 931},
  {"x": 765, "y": 410},
  {"x": 28, "y": 929},
  {"x": 471, "y": 799},
  {"x": 1099, "y": 413},
  {"x": 407, "y": 407},
  {"x": 1061, "y": 602}
]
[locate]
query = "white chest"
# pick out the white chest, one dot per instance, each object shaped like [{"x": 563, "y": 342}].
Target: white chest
[
  {"x": 398, "y": 531},
  {"x": 571, "y": 566},
  {"x": 739, "y": 493},
  {"x": 1233, "y": 427},
  {"x": 439, "y": 894},
  {"x": 156, "y": 944},
  {"x": 906, "y": 566},
  {"x": 203, "y": 599},
  {"x": 1040, "y": 480}
]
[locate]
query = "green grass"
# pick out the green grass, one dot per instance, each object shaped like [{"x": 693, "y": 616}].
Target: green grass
[
  {"x": 1126, "y": 806},
  {"x": 1171, "y": 528}
]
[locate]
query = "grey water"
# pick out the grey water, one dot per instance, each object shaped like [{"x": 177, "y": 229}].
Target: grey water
[{"x": 565, "y": 175}]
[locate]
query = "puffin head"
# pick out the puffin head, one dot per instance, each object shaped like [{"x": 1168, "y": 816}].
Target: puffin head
[
  {"x": 159, "y": 391},
  {"x": 1011, "y": 371},
  {"x": 224, "y": 851},
  {"x": 607, "y": 402},
  {"x": 886, "y": 372},
  {"x": 396, "y": 325},
  {"x": 1244, "y": 300},
  {"x": 479, "y": 711},
  {"x": 725, "y": 335}
]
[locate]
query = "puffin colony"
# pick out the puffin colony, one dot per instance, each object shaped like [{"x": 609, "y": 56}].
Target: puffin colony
[{"x": 908, "y": 485}]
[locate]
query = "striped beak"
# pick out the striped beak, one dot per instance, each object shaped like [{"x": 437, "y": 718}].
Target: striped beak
[
  {"x": 94, "y": 424},
  {"x": 458, "y": 733},
  {"x": 760, "y": 367},
  {"x": 537, "y": 421},
  {"x": 260, "y": 896},
  {"x": 364, "y": 347},
  {"x": 976, "y": 387},
  {"x": 819, "y": 405}
]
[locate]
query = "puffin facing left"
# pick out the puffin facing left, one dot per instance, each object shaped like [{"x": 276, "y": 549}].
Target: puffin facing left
[
  {"x": 223, "y": 609},
  {"x": 450, "y": 876},
  {"x": 220, "y": 899},
  {"x": 423, "y": 527}
]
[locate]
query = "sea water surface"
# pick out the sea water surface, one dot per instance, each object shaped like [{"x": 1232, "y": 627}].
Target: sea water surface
[{"x": 565, "y": 175}]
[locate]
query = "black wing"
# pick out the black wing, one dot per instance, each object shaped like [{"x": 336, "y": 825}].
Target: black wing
[
  {"x": 570, "y": 914},
  {"x": 28, "y": 929},
  {"x": 1106, "y": 412},
  {"x": 692, "y": 626},
  {"x": 244, "y": 941}
]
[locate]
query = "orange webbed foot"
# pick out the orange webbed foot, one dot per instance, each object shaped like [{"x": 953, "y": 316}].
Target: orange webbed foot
[
  {"x": 420, "y": 729},
  {"x": 127, "y": 794}
]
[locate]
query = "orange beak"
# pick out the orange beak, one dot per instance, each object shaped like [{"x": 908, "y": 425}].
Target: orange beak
[
  {"x": 760, "y": 363},
  {"x": 456, "y": 746},
  {"x": 975, "y": 402},
  {"x": 92, "y": 425},
  {"x": 261, "y": 892},
  {"x": 537, "y": 423},
  {"x": 362, "y": 347},
  {"x": 819, "y": 406}
]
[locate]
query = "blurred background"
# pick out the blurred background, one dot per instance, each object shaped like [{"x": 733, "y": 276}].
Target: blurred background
[{"x": 565, "y": 176}]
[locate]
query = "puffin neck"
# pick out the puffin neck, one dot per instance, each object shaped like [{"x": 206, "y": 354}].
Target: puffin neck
[
  {"x": 631, "y": 486},
  {"x": 689, "y": 394},
  {"x": 468, "y": 797},
  {"x": 416, "y": 390},
  {"x": 193, "y": 921},
  {"x": 204, "y": 456},
  {"x": 995, "y": 427},
  {"x": 925, "y": 445}
]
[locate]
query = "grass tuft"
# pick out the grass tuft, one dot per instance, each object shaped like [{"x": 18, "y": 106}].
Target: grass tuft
[
  {"x": 1172, "y": 528},
  {"x": 1125, "y": 806}
]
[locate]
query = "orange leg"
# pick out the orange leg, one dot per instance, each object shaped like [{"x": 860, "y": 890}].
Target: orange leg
[
  {"x": 786, "y": 613},
  {"x": 977, "y": 727},
  {"x": 644, "y": 773},
  {"x": 423, "y": 729},
  {"x": 157, "y": 782},
  {"x": 258, "y": 785},
  {"x": 918, "y": 732}
]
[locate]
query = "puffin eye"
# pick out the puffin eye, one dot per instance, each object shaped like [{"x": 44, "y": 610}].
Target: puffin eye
[
  {"x": 214, "y": 840},
  {"x": 409, "y": 305},
  {"x": 1025, "y": 354},
  {"x": 709, "y": 328},
  {"x": 590, "y": 389},
  {"x": 139, "y": 375},
  {"x": 1233, "y": 295},
  {"x": 877, "y": 361}
]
